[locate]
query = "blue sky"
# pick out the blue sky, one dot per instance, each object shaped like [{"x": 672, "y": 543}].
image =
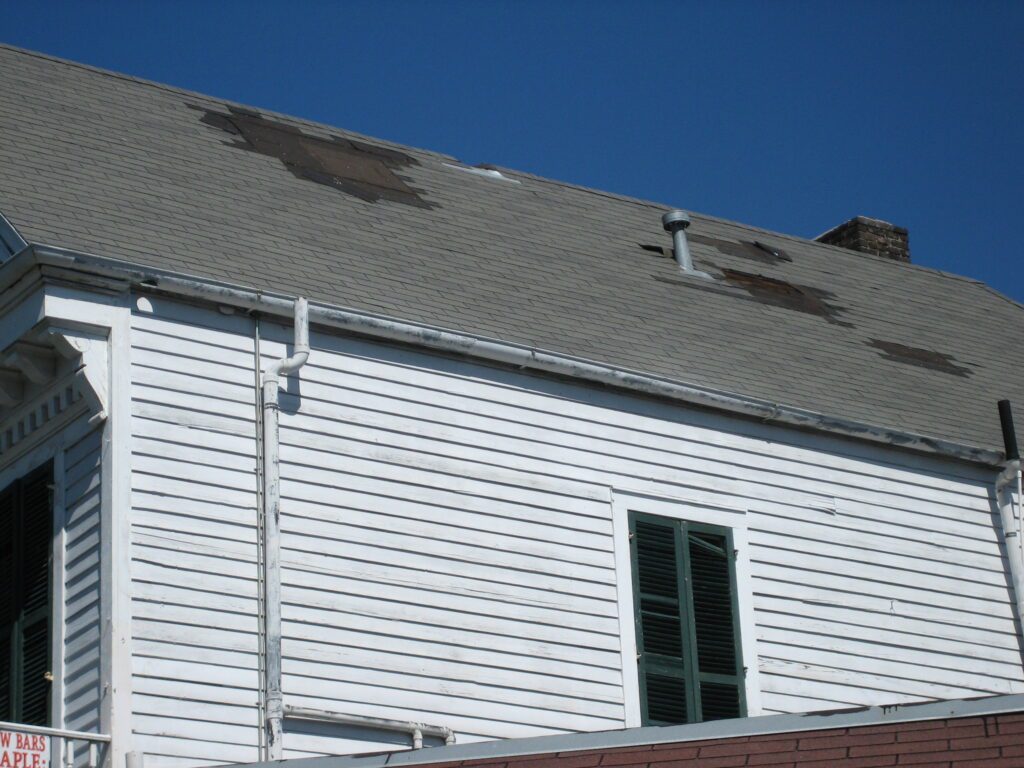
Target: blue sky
[{"x": 790, "y": 116}]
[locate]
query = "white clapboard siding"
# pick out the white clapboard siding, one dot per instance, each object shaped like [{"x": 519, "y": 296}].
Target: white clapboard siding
[
  {"x": 82, "y": 684},
  {"x": 195, "y": 679},
  {"x": 448, "y": 552}
]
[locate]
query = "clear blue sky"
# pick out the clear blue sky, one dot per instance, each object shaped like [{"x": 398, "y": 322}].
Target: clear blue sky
[{"x": 791, "y": 116}]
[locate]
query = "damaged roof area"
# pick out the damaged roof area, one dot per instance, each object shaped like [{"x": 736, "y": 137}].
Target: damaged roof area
[
  {"x": 923, "y": 358},
  {"x": 355, "y": 167},
  {"x": 155, "y": 176}
]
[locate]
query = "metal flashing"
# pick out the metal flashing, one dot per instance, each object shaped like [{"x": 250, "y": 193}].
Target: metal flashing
[
  {"x": 482, "y": 170},
  {"x": 86, "y": 267},
  {"x": 671, "y": 734}
]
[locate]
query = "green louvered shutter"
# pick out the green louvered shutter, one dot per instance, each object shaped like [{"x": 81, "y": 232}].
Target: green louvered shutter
[
  {"x": 660, "y": 610},
  {"x": 26, "y": 544},
  {"x": 8, "y": 614},
  {"x": 712, "y": 579},
  {"x": 686, "y": 621},
  {"x": 37, "y": 548}
]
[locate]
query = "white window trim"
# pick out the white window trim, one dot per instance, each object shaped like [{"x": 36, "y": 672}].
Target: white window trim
[{"x": 698, "y": 510}]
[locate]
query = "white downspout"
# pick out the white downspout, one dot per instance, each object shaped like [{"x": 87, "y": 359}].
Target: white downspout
[
  {"x": 272, "y": 526},
  {"x": 1008, "y": 481}
]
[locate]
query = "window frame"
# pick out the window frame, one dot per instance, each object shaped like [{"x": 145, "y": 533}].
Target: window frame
[{"x": 696, "y": 507}]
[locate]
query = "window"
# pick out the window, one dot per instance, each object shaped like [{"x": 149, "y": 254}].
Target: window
[
  {"x": 687, "y": 623},
  {"x": 26, "y": 521}
]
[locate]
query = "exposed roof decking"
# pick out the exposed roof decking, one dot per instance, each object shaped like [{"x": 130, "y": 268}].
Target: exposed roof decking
[{"x": 121, "y": 168}]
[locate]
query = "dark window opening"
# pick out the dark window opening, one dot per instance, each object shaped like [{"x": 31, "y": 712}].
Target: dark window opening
[
  {"x": 687, "y": 621},
  {"x": 26, "y": 546}
]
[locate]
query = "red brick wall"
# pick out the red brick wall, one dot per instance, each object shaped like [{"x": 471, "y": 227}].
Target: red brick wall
[{"x": 994, "y": 741}]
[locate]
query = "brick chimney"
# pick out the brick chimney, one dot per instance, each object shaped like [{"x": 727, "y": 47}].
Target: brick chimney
[{"x": 874, "y": 236}]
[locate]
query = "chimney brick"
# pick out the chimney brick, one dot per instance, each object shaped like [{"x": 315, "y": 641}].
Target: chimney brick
[{"x": 874, "y": 236}]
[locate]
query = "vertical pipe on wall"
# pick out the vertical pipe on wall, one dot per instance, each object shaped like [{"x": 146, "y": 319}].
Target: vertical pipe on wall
[
  {"x": 272, "y": 527},
  {"x": 261, "y": 614},
  {"x": 1009, "y": 480}
]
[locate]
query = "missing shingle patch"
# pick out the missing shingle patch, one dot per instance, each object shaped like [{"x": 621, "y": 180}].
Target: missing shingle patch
[
  {"x": 755, "y": 250},
  {"x": 657, "y": 250},
  {"x": 763, "y": 290},
  {"x": 923, "y": 358},
  {"x": 354, "y": 167},
  {"x": 779, "y": 293}
]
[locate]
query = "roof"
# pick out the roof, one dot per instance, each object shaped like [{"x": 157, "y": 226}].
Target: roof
[
  {"x": 934, "y": 733},
  {"x": 110, "y": 165}
]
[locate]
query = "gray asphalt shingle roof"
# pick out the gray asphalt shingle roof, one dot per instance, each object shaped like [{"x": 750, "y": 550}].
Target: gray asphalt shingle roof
[{"x": 118, "y": 167}]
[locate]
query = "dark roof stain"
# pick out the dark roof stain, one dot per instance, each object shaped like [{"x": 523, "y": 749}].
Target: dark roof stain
[{"x": 923, "y": 358}]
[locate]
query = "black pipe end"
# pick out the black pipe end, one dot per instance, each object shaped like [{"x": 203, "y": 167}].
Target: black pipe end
[{"x": 1009, "y": 434}]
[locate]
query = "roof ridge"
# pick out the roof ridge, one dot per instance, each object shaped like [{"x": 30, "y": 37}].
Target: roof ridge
[{"x": 178, "y": 90}]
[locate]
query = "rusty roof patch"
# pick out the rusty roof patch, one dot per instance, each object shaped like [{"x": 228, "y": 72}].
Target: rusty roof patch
[
  {"x": 355, "y": 167},
  {"x": 923, "y": 358},
  {"x": 752, "y": 250}
]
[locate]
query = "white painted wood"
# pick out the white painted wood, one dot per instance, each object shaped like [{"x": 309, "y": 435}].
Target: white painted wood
[
  {"x": 454, "y": 548},
  {"x": 81, "y": 676},
  {"x": 107, "y": 316},
  {"x": 58, "y": 592}
]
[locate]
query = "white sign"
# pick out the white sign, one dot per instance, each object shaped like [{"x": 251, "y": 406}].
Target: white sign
[{"x": 24, "y": 750}]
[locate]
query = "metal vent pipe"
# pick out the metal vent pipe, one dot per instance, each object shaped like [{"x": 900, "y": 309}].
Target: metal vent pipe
[{"x": 676, "y": 222}]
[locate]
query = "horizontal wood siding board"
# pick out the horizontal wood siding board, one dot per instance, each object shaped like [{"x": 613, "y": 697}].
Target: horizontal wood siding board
[
  {"x": 392, "y": 582},
  {"x": 909, "y": 665},
  {"x": 727, "y": 474},
  {"x": 954, "y": 633},
  {"x": 440, "y": 379},
  {"x": 325, "y": 626},
  {"x": 883, "y": 585}
]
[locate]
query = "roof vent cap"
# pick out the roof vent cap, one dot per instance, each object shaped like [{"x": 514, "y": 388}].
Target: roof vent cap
[{"x": 676, "y": 222}]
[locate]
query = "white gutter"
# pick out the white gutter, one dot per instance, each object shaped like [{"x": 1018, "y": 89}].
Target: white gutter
[
  {"x": 498, "y": 351},
  {"x": 416, "y": 730},
  {"x": 272, "y": 526}
]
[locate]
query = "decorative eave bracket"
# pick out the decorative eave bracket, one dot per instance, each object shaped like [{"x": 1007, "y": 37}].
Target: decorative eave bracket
[{"x": 49, "y": 377}]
